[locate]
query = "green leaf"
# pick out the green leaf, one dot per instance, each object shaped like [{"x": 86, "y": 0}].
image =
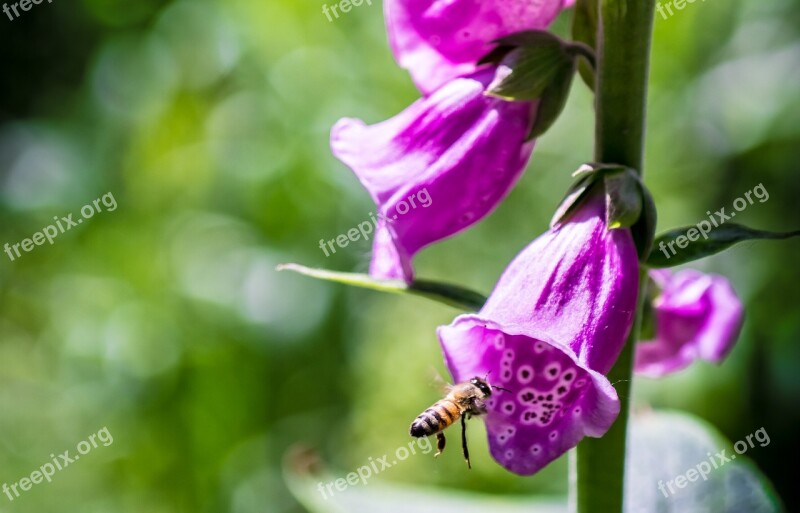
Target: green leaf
[
  {"x": 452, "y": 295},
  {"x": 714, "y": 241},
  {"x": 303, "y": 475},
  {"x": 662, "y": 446},
  {"x": 665, "y": 445}
]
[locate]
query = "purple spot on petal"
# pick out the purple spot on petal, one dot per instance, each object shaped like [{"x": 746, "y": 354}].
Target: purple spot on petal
[
  {"x": 526, "y": 395},
  {"x": 528, "y": 417},
  {"x": 525, "y": 374},
  {"x": 499, "y": 342},
  {"x": 552, "y": 370}
]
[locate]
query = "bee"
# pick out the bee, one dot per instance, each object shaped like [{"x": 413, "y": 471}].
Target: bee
[{"x": 463, "y": 400}]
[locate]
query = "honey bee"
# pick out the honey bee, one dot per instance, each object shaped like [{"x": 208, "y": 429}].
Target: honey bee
[{"x": 463, "y": 400}]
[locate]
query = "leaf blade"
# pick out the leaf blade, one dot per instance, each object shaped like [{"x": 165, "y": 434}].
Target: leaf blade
[
  {"x": 449, "y": 294},
  {"x": 718, "y": 239}
]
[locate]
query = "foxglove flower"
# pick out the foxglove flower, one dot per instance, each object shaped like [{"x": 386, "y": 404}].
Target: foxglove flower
[
  {"x": 438, "y": 40},
  {"x": 553, "y": 326},
  {"x": 696, "y": 315},
  {"x": 460, "y": 149}
]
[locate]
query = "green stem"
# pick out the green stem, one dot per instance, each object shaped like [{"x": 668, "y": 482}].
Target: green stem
[
  {"x": 623, "y": 50},
  {"x": 597, "y": 465}
]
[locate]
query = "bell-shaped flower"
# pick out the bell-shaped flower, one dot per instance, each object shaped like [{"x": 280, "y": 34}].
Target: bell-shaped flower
[
  {"x": 438, "y": 40},
  {"x": 696, "y": 316},
  {"x": 553, "y": 326},
  {"x": 436, "y": 168}
]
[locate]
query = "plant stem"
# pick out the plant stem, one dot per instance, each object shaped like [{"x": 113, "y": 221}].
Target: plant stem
[
  {"x": 597, "y": 465},
  {"x": 623, "y": 50}
]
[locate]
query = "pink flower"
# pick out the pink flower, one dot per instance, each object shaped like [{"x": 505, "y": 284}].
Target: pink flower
[
  {"x": 696, "y": 315},
  {"x": 461, "y": 150},
  {"x": 553, "y": 326},
  {"x": 439, "y": 40}
]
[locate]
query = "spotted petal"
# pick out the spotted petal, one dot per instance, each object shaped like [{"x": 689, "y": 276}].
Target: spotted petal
[
  {"x": 554, "y": 401},
  {"x": 553, "y": 326}
]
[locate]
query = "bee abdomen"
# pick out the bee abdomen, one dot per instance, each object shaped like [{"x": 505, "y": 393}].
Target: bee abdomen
[{"x": 436, "y": 418}]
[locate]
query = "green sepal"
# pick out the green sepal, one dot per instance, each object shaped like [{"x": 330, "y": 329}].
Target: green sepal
[
  {"x": 623, "y": 198},
  {"x": 630, "y": 205},
  {"x": 496, "y": 55},
  {"x": 644, "y": 229},
  {"x": 628, "y": 202},
  {"x": 528, "y": 71},
  {"x": 575, "y": 194},
  {"x": 716, "y": 240},
  {"x": 584, "y": 30},
  {"x": 552, "y": 102}
]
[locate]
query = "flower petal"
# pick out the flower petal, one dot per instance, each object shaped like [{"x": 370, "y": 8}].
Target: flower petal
[
  {"x": 438, "y": 40},
  {"x": 436, "y": 168},
  {"x": 554, "y": 399},
  {"x": 554, "y": 324},
  {"x": 698, "y": 316},
  {"x": 578, "y": 283}
]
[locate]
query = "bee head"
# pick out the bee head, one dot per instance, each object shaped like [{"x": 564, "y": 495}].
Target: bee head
[{"x": 482, "y": 385}]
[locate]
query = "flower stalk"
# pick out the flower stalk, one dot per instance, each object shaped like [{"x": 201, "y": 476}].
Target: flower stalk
[{"x": 624, "y": 33}]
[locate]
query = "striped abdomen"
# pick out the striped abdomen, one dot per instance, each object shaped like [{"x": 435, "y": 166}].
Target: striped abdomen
[{"x": 436, "y": 418}]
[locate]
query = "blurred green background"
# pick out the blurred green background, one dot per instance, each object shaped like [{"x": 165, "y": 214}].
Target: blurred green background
[{"x": 165, "y": 321}]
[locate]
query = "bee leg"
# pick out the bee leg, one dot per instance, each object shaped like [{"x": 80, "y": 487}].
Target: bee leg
[
  {"x": 464, "y": 441},
  {"x": 440, "y": 441}
]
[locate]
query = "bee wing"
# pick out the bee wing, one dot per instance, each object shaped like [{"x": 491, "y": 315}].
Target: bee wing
[{"x": 439, "y": 382}]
